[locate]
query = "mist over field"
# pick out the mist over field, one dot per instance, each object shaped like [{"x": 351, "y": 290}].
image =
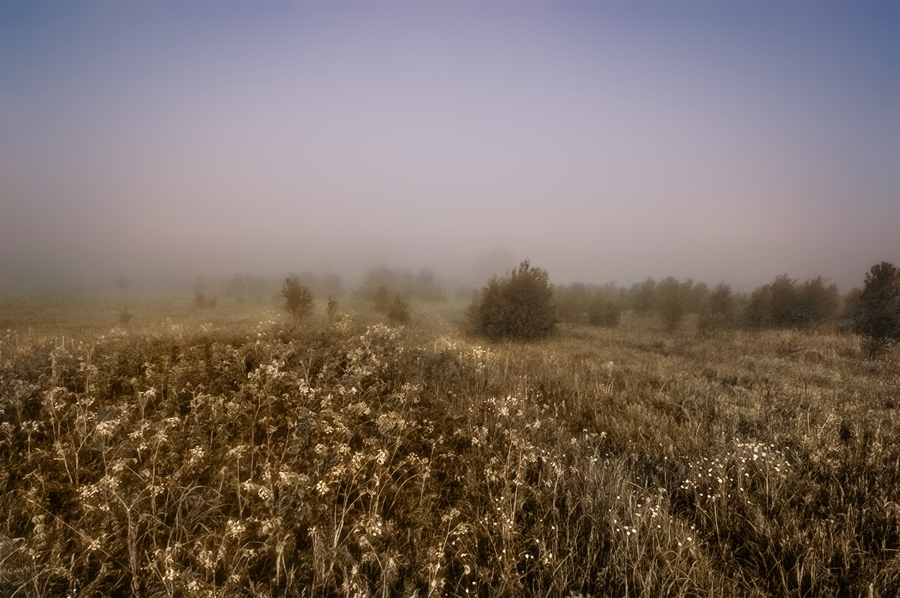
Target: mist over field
[
  {"x": 719, "y": 141},
  {"x": 471, "y": 298}
]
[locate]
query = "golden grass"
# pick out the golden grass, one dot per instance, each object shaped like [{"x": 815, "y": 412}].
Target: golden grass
[{"x": 227, "y": 452}]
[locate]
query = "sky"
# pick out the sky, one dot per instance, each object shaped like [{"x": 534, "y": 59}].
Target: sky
[{"x": 604, "y": 141}]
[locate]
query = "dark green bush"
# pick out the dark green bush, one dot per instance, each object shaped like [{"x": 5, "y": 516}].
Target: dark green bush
[{"x": 518, "y": 305}]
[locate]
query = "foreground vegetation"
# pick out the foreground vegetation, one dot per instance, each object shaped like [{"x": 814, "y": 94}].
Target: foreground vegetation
[{"x": 229, "y": 453}]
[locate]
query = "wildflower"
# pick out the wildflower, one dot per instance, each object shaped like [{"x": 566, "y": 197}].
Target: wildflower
[
  {"x": 234, "y": 528},
  {"x": 106, "y": 429}
]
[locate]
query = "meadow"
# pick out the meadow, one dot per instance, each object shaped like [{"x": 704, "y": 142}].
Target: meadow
[{"x": 231, "y": 452}]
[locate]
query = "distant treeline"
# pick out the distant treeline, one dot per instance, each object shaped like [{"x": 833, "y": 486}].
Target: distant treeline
[
  {"x": 783, "y": 303},
  {"x": 422, "y": 286},
  {"x": 383, "y": 282}
]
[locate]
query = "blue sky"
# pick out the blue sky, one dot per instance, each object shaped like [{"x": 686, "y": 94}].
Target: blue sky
[{"x": 604, "y": 141}]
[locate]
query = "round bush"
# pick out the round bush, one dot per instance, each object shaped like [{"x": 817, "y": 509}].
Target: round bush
[{"x": 518, "y": 306}]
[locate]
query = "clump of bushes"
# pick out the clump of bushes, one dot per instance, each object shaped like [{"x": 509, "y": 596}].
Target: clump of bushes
[
  {"x": 518, "y": 305},
  {"x": 877, "y": 314},
  {"x": 573, "y": 302},
  {"x": 671, "y": 301},
  {"x": 643, "y": 296},
  {"x": 784, "y": 303},
  {"x": 579, "y": 303},
  {"x": 298, "y": 300},
  {"x": 395, "y": 308},
  {"x": 421, "y": 287},
  {"x": 604, "y": 312},
  {"x": 721, "y": 308}
]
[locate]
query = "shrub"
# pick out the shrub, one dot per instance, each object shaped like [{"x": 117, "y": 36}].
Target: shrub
[
  {"x": 847, "y": 319},
  {"x": 696, "y": 296},
  {"x": 398, "y": 311},
  {"x": 377, "y": 285},
  {"x": 518, "y": 306},
  {"x": 298, "y": 300},
  {"x": 643, "y": 296},
  {"x": 818, "y": 304},
  {"x": 786, "y": 304},
  {"x": 603, "y": 312},
  {"x": 321, "y": 285},
  {"x": 331, "y": 309},
  {"x": 671, "y": 297},
  {"x": 125, "y": 316},
  {"x": 721, "y": 307},
  {"x": 201, "y": 301},
  {"x": 572, "y": 302},
  {"x": 422, "y": 286},
  {"x": 783, "y": 302},
  {"x": 877, "y": 315},
  {"x": 758, "y": 312},
  {"x": 426, "y": 287},
  {"x": 382, "y": 299}
]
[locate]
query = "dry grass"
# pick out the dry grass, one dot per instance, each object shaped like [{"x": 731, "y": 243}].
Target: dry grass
[{"x": 230, "y": 453}]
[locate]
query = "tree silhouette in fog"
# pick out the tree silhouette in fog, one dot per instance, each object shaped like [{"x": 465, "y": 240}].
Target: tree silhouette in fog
[{"x": 298, "y": 300}]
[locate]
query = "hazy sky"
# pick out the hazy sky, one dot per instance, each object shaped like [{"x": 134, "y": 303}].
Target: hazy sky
[{"x": 603, "y": 140}]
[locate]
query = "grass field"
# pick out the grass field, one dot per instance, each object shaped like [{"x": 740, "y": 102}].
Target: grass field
[{"x": 227, "y": 452}]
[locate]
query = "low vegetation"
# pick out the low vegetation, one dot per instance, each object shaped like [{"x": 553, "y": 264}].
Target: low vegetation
[{"x": 246, "y": 456}]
